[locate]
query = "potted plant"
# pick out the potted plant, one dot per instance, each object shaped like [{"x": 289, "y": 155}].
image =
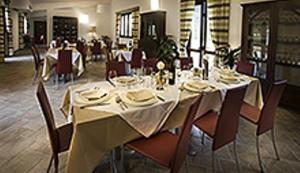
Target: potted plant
[
  {"x": 167, "y": 52},
  {"x": 228, "y": 55}
]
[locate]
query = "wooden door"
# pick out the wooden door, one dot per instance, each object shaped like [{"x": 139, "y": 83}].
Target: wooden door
[{"x": 40, "y": 32}]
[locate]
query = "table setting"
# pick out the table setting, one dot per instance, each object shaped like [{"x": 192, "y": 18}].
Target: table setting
[{"x": 127, "y": 107}]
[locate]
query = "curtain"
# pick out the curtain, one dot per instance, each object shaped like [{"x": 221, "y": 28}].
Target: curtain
[
  {"x": 218, "y": 15},
  {"x": 21, "y": 30},
  {"x": 187, "y": 8},
  {"x": 2, "y": 52},
  {"x": 135, "y": 27},
  {"x": 118, "y": 26}
]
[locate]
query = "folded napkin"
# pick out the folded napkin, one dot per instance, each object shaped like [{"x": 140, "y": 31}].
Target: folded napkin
[
  {"x": 125, "y": 79},
  {"x": 197, "y": 85},
  {"x": 93, "y": 94},
  {"x": 140, "y": 96},
  {"x": 229, "y": 77}
]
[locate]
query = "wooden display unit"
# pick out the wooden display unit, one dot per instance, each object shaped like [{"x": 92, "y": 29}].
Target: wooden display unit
[
  {"x": 271, "y": 40},
  {"x": 65, "y": 27}
]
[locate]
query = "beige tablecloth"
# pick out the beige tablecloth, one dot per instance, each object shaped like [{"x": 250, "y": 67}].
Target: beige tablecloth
[
  {"x": 97, "y": 132},
  {"x": 52, "y": 57}
]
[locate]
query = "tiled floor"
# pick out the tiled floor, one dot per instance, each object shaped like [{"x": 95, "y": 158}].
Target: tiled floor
[{"x": 24, "y": 145}]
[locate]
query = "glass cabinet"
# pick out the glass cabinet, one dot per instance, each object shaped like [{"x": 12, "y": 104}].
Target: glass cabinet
[{"x": 271, "y": 41}]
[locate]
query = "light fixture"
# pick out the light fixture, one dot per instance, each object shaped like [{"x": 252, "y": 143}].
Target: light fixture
[
  {"x": 83, "y": 18},
  {"x": 154, "y": 4}
]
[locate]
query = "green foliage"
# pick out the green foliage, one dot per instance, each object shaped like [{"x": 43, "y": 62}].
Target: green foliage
[
  {"x": 228, "y": 55},
  {"x": 167, "y": 50}
]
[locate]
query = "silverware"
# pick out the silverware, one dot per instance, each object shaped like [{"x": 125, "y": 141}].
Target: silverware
[
  {"x": 93, "y": 105},
  {"x": 111, "y": 83},
  {"x": 119, "y": 101},
  {"x": 160, "y": 98}
]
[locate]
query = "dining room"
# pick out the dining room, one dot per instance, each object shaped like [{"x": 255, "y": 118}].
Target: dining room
[{"x": 115, "y": 86}]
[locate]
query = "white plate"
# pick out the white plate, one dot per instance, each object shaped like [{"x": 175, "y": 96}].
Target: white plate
[
  {"x": 125, "y": 99},
  {"x": 134, "y": 80},
  {"x": 81, "y": 100},
  {"x": 187, "y": 87},
  {"x": 229, "y": 81}
]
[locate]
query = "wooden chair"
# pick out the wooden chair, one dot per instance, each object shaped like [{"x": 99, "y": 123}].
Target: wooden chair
[
  {"x": 245, "y": 68},
  {"x": 166, "y": 148},
  {"x": 58, "y": 42},
  {"x": 136, "y": 59},
  {"x": 82, "y": 49},
  {"x": 37, "y": 62},
  {"x": 117, "y": 66},
  {"x": 186, "y": 63},
  {"x": 64, "y": 64},
  {"x": 223, "y": 128},
  {"x": 264, "y": 119},
  {"x": 96, "y": 50},
  {"x": 60, "y": 137}
]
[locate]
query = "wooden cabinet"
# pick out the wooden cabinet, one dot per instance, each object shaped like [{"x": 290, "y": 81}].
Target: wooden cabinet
[
  {"x": 65, "y": 27},
  {"x": 271, "y": 40},
  {"x": 153, "y": 26}
]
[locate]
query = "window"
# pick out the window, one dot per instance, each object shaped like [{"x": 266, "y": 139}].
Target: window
[
  {"x": 126, "y": 25},
  {"x": 199, "y": 32}
]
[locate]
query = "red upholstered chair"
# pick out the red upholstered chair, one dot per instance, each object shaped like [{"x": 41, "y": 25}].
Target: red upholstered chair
[
  {"x": 264, "y": 119},
  {"x": 186, "y": 63},
  {"x": 245, "y": 68},
  {"x": 166, "y": 148},
  {"x": 96, "y": 50},
  {"x": 60, "y": 138},
  {"x": 37, "y": 62},
  {"x": 64, "y": 64},
  {"x": 136, "y": 59},
  {"x": 150, "y": 63},
  {"x": 82, "y": 48},
  {"x": 58, "y": 42},
  {"x": 223, "y": 128},
  {"x": 117, "y": 66}
]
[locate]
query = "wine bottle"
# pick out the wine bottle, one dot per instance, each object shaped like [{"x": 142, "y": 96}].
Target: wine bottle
[{"x": 172, "y": 77}]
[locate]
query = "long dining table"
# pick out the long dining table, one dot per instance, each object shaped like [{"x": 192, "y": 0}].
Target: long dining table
[{"x": 99, "y": 129}]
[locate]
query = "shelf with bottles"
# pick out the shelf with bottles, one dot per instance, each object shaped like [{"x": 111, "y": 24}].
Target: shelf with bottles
[
  {"x": 286, "y": 60},
  {"x": 257, "y": 59},
  {"x": 288, "y": 39}
]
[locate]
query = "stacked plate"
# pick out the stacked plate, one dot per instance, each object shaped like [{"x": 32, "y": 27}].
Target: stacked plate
[
  {"x": 93, "y": 96},
  {"x": 142, "y": 97},
  {"x": 126, "y": 80},
  {"x": 229, "y": 76},
  {"x": 196, "y": 86}
]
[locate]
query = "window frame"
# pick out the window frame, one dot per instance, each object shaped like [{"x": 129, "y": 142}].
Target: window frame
[{"x": 125, "y": 26}]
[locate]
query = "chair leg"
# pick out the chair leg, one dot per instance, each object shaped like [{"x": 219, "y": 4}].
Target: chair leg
[
  {"x": 186, "y": 165},
  {"x": 236, "y": 157},
  {"x": 258, "y": 154},
  {"x": 274, "y": 144},
  {"x": 72, "y": 77},
  {"x": 50, "y": 164},
  {"x": 57, "y": 81},
  {"x": 213, "y": 161},
  {"x": 36, "y": 75},
  {"x": 56, "y": 162},
  {"x": 202, "y": 138}
]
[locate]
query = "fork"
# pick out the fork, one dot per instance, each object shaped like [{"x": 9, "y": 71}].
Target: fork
[{"x": 119, "y": 101}]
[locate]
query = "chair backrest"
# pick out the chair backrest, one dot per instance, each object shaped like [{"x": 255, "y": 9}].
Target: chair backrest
[
  {"x": 150, "y": 62},
  {"x": 227, "y": 125},
  {"x": 267, "y": 116},
  {"x": 48, "y": 115},
  {"x": 184, "y": 62},
  {"x": 184, "y": 137},
  {"x": 58, "y": 43},
  {"x": 35, "y": 58},
  {"x": 96, "y": 48},
  {"x": 245, "y": 68},
  {"x": 119, "y": 67},
  {"x": 64, "y": 63},
  {"x": 136, "y": 58}
]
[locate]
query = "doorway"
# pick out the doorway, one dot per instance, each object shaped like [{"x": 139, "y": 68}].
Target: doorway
[{"x": 40, "y": 32}]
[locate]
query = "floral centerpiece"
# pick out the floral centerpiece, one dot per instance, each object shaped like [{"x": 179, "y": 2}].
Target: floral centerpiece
[{"x": 160, "y": 78}]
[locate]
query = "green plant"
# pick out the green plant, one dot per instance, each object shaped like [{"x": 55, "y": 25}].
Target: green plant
[
  {"x": 167, "y": 50},
  {"x": 228, "y": 55}
]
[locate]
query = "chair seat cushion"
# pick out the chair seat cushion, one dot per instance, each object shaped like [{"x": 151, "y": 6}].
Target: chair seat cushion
[
  {"x": 207, "y": 123},
  {"x": 64, "y": 136},
  {"x": 250, "y": 113},
  {"x": 160, "y": 148}
]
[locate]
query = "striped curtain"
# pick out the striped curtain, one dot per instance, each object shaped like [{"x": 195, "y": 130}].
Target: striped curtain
[
  {"x": 135, "y": 27},
  {"x": 118, "y": 26},
  {"x": 21, "y": 30},
  {"x": 187, "y": 8},
  {"x": 2, "y": 52},
  {"x": 218, "y": 13}
]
